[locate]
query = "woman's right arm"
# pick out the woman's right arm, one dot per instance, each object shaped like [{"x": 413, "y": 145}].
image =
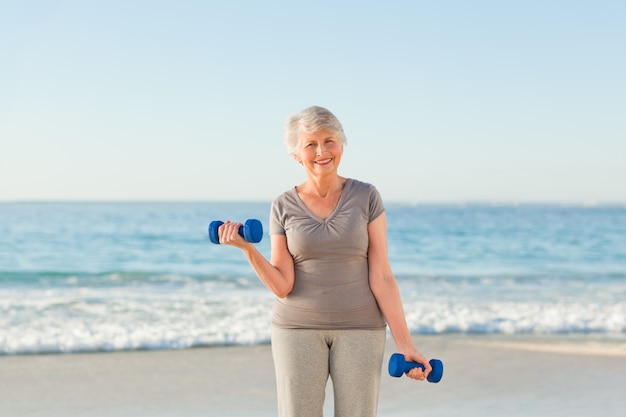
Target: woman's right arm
[{"x": 278, "y": 274}]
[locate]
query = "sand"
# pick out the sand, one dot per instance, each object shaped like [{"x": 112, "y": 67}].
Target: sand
[{"x": 484, "y": 376}]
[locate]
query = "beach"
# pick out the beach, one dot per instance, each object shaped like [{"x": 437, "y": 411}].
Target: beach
[
  {"x": 126, "y": 309},
  {"x": 484, "y": 376}
]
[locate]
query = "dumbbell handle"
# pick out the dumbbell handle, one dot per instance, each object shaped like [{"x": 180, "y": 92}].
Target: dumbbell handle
[
  {"x": 251, "y": 231},
  {"x": 398, "y": 366}
]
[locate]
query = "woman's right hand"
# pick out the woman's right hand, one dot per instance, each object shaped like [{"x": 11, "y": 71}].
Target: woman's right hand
[{"x": 228, "y": 234}]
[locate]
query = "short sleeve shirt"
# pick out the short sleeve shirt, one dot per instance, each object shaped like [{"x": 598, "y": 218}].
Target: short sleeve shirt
[{"x": 331, "y": 288}]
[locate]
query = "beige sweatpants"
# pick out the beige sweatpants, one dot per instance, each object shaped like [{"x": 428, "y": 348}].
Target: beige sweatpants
[{"x": 304, "y": 359}]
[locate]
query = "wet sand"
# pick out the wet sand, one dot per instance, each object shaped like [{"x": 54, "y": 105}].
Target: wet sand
[{"x": 484, "y": 376}]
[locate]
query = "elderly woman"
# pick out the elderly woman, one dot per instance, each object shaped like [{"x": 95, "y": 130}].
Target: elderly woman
[{"x": 330, "y": 272}]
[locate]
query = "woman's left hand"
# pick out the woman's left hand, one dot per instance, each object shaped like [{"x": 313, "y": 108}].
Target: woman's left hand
[{"x": 417, "y": 373}]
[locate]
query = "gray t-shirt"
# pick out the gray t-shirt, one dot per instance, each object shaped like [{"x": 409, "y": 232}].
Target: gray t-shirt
[{"x": 331, "y": 289}]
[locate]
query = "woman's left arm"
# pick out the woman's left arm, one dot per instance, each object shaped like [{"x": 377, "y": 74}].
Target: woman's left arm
[{"x": 385, "y": 288}]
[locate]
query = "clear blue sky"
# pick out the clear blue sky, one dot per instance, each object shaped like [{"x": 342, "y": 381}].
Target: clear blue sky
[{"x": 441, "y": 101}]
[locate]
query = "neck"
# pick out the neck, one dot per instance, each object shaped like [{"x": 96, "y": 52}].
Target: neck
[{"x": 323, "y": 187}]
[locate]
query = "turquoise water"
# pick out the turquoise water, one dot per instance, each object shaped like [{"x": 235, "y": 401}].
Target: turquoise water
[{"x": 80, "y": 277}]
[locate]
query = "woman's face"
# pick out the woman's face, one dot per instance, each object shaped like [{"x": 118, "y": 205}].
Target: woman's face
[{"x": 319, "y": 152}]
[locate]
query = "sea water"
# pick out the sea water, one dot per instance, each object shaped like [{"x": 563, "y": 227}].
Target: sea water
[{"x": 82, "y": 277}]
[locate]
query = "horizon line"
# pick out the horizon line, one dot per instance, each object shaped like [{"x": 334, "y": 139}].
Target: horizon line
[{"x": 476, "y": 202}]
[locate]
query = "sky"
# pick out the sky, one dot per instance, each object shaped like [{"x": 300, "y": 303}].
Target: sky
[{"x": 441, "y": 101}]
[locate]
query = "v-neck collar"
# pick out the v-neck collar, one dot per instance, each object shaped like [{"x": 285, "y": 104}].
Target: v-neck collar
[{"x": 335, "y": 210}]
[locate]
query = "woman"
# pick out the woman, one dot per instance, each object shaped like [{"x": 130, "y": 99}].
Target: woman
[{"x": 330, "y": 272}]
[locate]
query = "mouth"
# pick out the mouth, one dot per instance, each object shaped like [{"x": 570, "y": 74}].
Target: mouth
[{"x": 324, "y": 161}]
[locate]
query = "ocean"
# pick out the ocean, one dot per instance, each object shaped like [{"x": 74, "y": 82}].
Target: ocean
[{"x": 86, "y": 277}]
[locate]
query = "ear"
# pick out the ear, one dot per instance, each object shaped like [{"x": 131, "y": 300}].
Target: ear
[{"x": 297, "y": 158}]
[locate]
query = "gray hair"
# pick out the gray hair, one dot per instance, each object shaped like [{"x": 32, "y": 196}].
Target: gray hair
[{"x": 309, "y": 120}]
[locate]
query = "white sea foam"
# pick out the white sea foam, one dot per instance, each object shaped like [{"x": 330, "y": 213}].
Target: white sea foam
[
  {"x": 193, "y": 313},
  {"x": 516, "y": 317},
  {"x": 136, "y": 317}
]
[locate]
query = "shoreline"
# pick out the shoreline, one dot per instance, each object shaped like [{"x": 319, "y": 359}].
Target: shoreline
[
  {"x": 570, "y": 345},
  {"x": 573, "y": 344},
  {"x": 484, "y": 376}
]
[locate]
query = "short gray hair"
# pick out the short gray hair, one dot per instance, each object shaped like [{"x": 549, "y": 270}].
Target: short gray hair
[{"x": 309, "y": 120}]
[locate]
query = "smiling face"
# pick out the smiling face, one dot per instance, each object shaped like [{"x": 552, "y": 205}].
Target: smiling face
[{"x": 319, "y": 152}]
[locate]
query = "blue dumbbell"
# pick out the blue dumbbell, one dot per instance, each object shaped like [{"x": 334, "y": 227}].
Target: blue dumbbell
[
  {"x": 251, "y": 230},
  {"x": 398, "y": 366}
]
